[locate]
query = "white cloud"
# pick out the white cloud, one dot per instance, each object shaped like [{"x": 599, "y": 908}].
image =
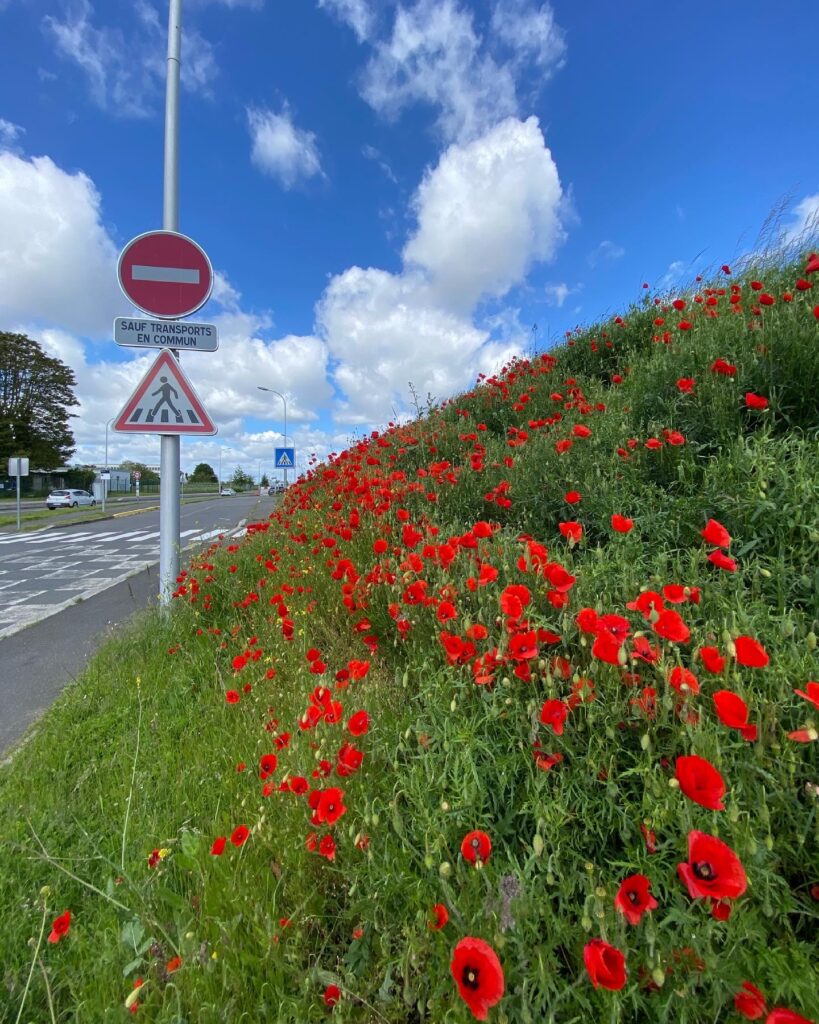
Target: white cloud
[
  {"x": 436, "y": 56},
  {"x": 556, "y": 294},
  {"x": 385, "y": 331},
  {"x": 126, "y": 68},
  {"x": 486, "y": 212},
  {"x": 9, "y": 135},
  {"x": 606, "y": 252},
  {"x": 371, "y": 153},
  {"x": 673, "y": 275},
  {"x": 280, "y": 148},
  {"x": 530, "y": 33},
  {"x": 804, "y": 221},
  {"x": 57, "y": 261},
  {"x": 356, "y": 13},
  {"x": 499, "y": 197}
]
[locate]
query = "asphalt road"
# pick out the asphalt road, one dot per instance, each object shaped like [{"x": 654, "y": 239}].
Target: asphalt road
[{"x": 64, "y": 591}]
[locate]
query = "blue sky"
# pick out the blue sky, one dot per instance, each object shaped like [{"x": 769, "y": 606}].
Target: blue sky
[{"x": 389, "y": 191}]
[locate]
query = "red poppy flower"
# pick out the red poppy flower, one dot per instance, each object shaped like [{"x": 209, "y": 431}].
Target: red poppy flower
[
  {"x": 359, "y": 723},
  {"x": 239, "y": 835},
  {"x": 749, "y": 1001},
  {"x": 218, "y": 846},
  {"x": 683, "y": 680},
  {"x": 232, "y": 697},
  {"x": 701, "y": 782},
  {"x": 441, "y": 915},
  {"x": 724, "y": 368},
  {"x": 572, "y": 497},
  {"x": 753, "y": 401},
  {"x": 60, "y": 926},
  {"x": 605, "y": 964},
  {"x": 523, "y": 646},
  {"x": 328, "y": 805},
  {"x": 267, "y": 765},
  {"x": 685, "y": 325},
  {"x": 804, "y": 736},
  {"x": 332, "y": 994},
  {"x": 554, "y": 713},
  {"x": 715, "y": 533},
  {"x": 476, "y": 846},
  {"x": 478, "y": 975},
  {"x": 608, "y": 647},
  {"x": 514, "y": 599},
  {"x": 722, "y": 561},
  {"x": 571, "y": 531},
  {"x": 726, "y": 269},
  {"x": 670, "y": 626},
  {"x": 813, "y": 264},
  {"x": 780, "y": 1015},
  {"x": 712, "y": 660},
  {"x": 812, "y": 694},
  {"x": 173, "y": 964},
  {"x": 633, "y": 898},
  {"x": 685, "y": 385},
  {"x": 712, "y": 871},
  {"x": 733, "y": 712},
  {"x": 622, "y": 524},
  {"x": 750, "y": 652}
]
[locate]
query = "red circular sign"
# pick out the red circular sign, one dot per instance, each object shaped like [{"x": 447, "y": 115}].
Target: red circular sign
[{"x": 165, "y": 274}]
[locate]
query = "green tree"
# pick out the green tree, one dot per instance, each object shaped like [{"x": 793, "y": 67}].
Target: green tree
[
  {"x": 147, "y": 476},
  {"x": 240, "y": 480},
  {"x": 203, "y": 473},
  {"x": 264, "y": 482},
  {"x": 36, "y": 392}
]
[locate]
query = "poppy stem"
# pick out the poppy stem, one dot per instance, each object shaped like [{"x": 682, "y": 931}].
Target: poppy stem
[
  {"x": 48, "y": 990},
  {"x": 133, "y": 775},
  {"x": 33, "y": 962}
]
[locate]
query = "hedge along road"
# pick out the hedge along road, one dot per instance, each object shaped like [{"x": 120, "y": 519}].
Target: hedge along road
[{"x": 64, "y": 591}]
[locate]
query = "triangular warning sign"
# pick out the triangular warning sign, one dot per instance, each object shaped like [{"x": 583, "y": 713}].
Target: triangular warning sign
[{"x": 164, "y": 403}]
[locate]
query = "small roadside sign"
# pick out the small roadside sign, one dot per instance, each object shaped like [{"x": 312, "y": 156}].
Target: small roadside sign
[
  {"x": 165, "y": 273},
  {"x": 285, "y": 458},
  {"x": 18, "y": 467},
  {"x": 131, "y": 332},
  {"x": 164, "y": 403}
]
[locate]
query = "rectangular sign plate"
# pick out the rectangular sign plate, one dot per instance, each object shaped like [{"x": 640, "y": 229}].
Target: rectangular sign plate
[{"x": 133, "y": 332}]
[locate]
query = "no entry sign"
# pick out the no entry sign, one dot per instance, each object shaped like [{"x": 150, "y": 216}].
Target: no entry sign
[{"x": 165, "y": 274}]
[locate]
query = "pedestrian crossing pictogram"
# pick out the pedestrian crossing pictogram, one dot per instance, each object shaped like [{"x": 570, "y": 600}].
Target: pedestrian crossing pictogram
[
  {"x": 285, "y": 458},
  {"x": 164, "y": 403}
]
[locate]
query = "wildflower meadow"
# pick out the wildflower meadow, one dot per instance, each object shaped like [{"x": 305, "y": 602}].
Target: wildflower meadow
[{"x": 508, "y": 713}]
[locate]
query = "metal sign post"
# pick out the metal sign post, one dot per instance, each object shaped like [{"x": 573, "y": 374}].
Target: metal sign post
[
  {"x": 169, "y": 456},
  {"x": 17, "y": 468}
]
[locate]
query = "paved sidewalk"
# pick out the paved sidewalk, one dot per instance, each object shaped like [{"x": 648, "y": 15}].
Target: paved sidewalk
[{"x": 37, "y": 663}]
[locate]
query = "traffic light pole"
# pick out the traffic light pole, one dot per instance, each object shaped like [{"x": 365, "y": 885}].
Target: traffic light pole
[{"x": 169, "y": 456}]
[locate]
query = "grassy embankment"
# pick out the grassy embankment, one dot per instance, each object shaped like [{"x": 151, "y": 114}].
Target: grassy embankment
[{"x": 382, "y": 565}]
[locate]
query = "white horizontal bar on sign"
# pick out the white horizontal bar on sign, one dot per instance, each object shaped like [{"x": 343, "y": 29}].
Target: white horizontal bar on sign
[{"x": 170, "y": 275}]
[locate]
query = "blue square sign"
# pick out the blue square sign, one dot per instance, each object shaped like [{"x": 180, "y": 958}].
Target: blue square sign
[{"x": 285, "y": 458}]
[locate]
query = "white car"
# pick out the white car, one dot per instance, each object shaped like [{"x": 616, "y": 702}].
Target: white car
[
  {"x": 70, "y": 498},
  {"x": 227, "y": 490}
]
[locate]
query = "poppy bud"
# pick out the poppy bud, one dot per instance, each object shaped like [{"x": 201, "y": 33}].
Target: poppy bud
[
  {"x": 444, "y": 869},
  {"x": 537, "y": 844},
  {"x": 645, "y": 741},
  {"x": 810, "y": 640},
  {"x": 658, "y": 977}
]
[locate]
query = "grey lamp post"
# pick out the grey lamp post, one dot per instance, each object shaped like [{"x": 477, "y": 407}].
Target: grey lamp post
[
  {"x": 284, "y": 403},
  {"x": 105, "y": 469},
  {"x": 222, "y": 448}
]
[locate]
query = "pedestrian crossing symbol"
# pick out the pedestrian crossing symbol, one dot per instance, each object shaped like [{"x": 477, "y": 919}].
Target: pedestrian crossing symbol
[
  {"x": 285, "y": 458},
  {"x": 164, "y": 403}
]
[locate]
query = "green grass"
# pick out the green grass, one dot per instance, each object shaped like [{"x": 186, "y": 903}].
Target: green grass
[{"x": 141, "y": 754}]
